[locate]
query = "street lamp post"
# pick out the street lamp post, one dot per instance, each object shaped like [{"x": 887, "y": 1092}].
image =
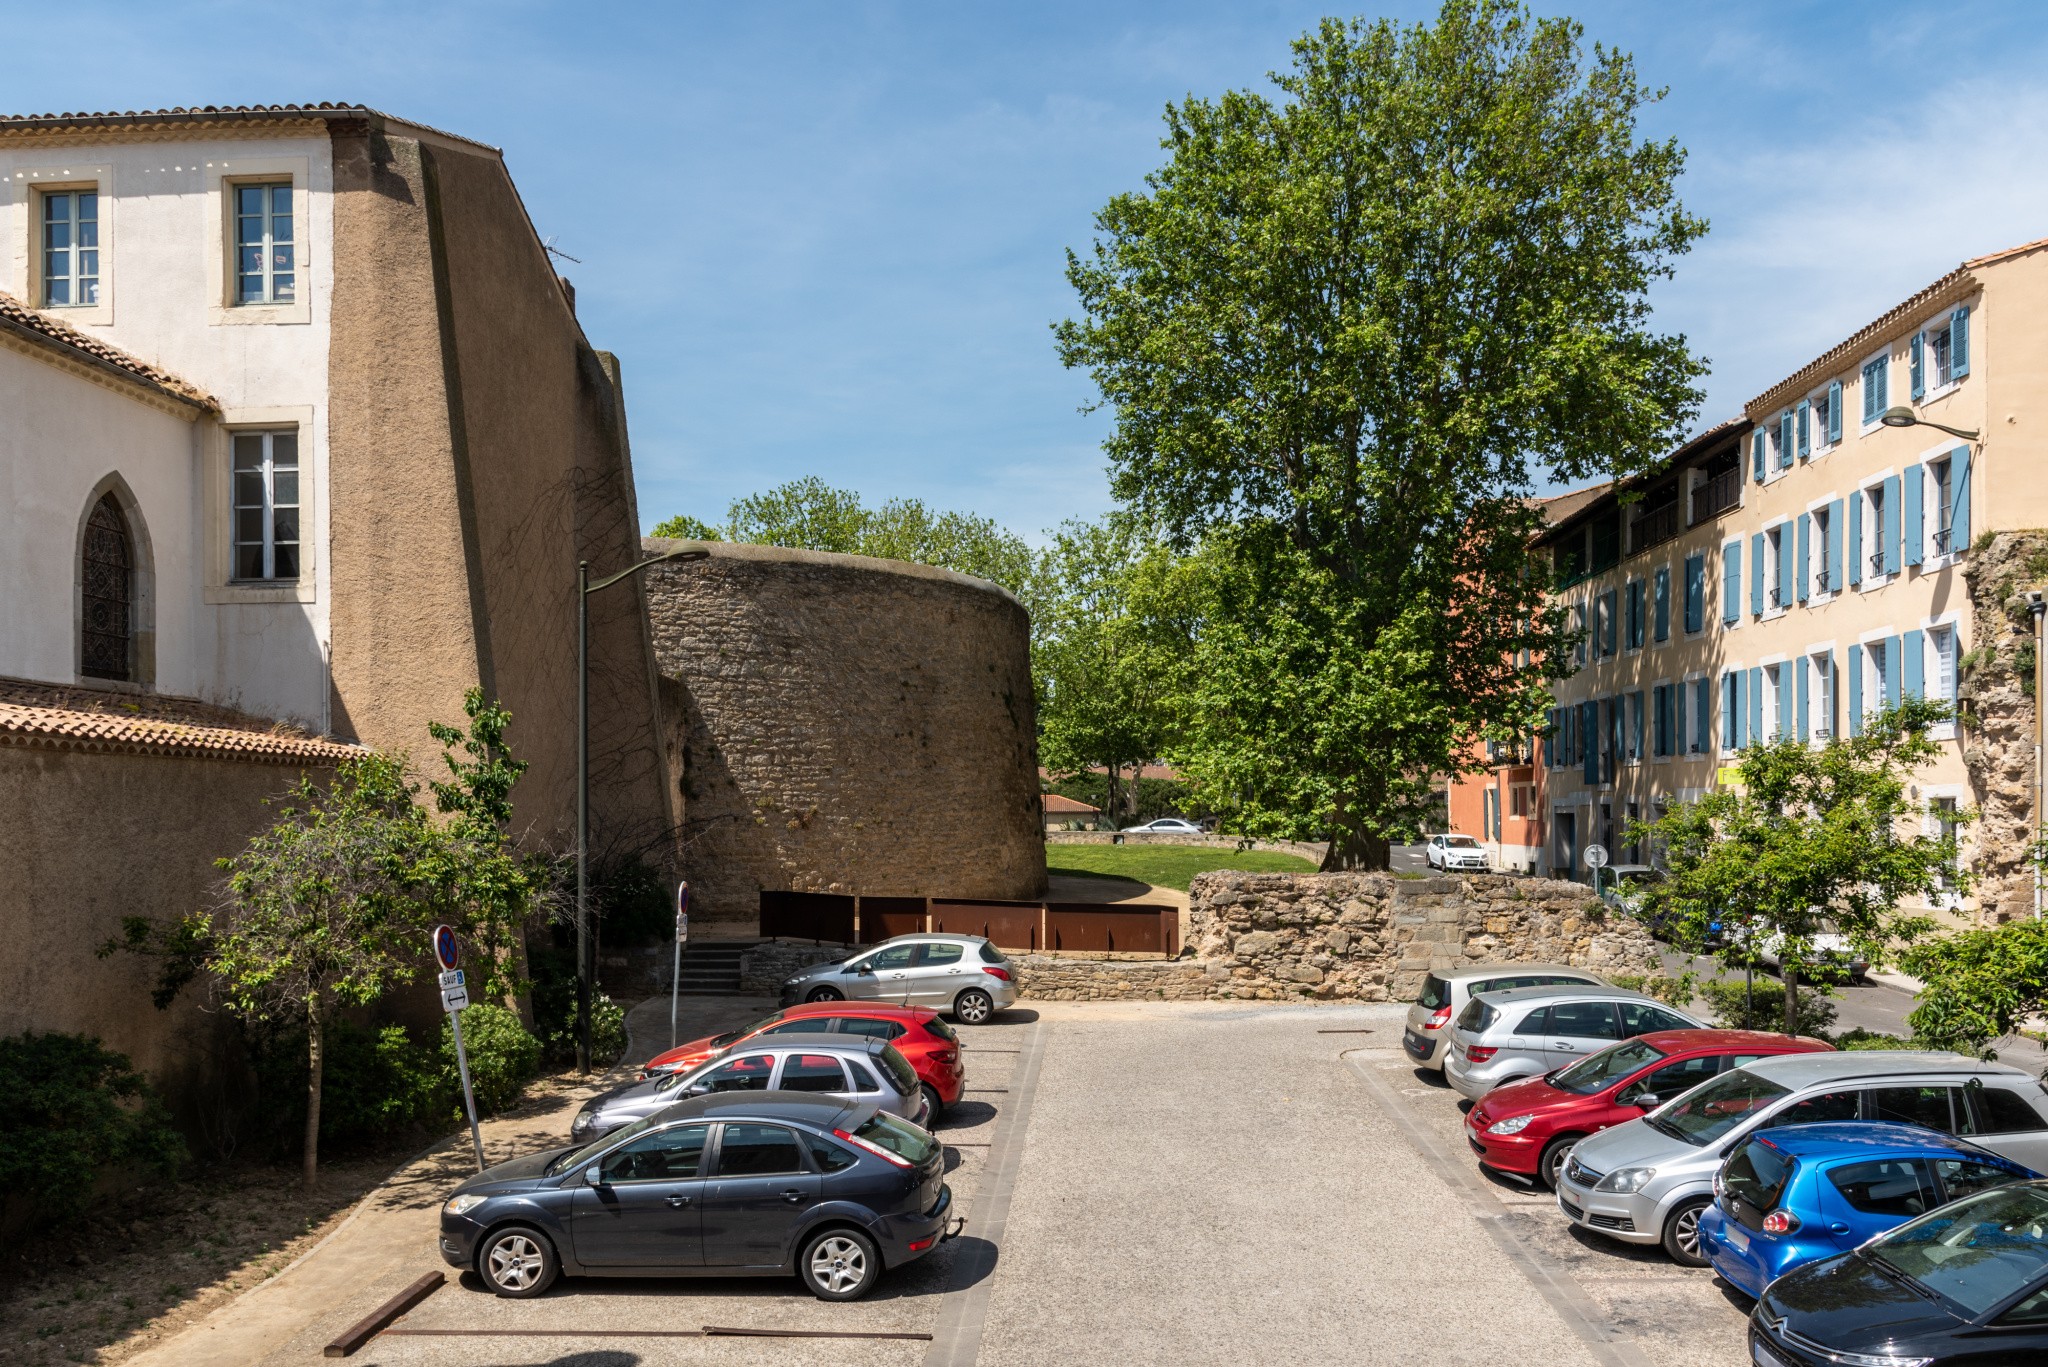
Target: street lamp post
[
  {"x": 1906, "y": 417},
  {"x": 584, "y": 588}
]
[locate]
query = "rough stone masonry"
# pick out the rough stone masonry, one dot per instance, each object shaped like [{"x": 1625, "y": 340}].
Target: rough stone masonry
[{"x": 1322, "y": 937}]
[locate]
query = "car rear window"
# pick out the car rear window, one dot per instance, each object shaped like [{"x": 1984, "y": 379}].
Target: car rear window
[
  {"x": 1756, "y": 1175},
  {"x": 990, "y": 954},
  {"x": 829, "y": 1156},
  {"x": 899, "y": 1137},
  {"x": 871, "y": 1027},
  {"x": 1435, "y": 992},
  {"x": 898, "y": 1068},
  {"x": 938, "y": 1028},
  {"x": 2003, "y": 1111},
  {"x": 1478, "y": 1016}
]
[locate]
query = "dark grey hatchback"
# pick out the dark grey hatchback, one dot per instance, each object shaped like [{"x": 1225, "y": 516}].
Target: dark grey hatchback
[{"x": 728, "y": 1185}]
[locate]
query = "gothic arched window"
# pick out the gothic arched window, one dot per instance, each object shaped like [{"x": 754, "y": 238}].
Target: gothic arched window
[{"x": 107, "y": 629}]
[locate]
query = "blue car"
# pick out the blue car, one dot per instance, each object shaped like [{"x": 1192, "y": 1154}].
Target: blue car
[{"x": 1798, "y": 1193}]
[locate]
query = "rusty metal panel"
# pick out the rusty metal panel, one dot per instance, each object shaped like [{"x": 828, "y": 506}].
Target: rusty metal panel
[
  {"x": 821, "y": 916},
  {"x": 1012, "y": 925},
  {"x": 1127, "y": 927},
  {"x": 883, "y": 918}
]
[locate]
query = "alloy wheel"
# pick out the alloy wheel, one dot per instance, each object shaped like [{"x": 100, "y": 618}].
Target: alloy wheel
[
  {"x": 838, "y": 1264},
  {"x": 974, "y": 1007},
  {"x": 823, "y": 994},
  {"x": 516, "y": 1262}
]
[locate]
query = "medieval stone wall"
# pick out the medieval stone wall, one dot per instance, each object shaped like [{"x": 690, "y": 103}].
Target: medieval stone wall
[
  {"x": 1998, "y": 705},
  {"x": 849, "y": 725}
]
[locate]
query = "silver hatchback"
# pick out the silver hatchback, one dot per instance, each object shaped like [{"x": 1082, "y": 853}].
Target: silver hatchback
[
  {"x": 1504, "y": 1037},
  {"x": 1446, "y": 990},
  {"x": 964, "y": 975}
]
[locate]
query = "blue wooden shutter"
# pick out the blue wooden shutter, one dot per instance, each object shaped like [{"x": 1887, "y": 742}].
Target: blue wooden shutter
[
  {"x": 1635, "y": 719},
  {"x": 1785, "y": 546},
  {"x": 1855, "y": 672},
  {"x": 1731, "y": 710},
  {"x": 1800, "y": 699},
  {"x": 1892, "y": 673},
  {"x": 1855, "y": 538},
  {"x": 1888, "y": 535},
  {"x": 1731, "y": 582},
  {"x": 1918, "y": 370},
  {"x": 1834, "y": 547},
  {"x": 1756, "y": 574},
  {"x": 1589, "y": 737},
  {"x": 1696, "y": 592},
  {"x": 1613, "y": 642},
  {"x": 1959, "y": 499},
  {"x": 1756, "y": 707},
  {"x": 1756, "y": 454},
  {"x": 1805, "y": 429},
  {"x": 1661, "y": 627},
  {"x": 1913, "y": 659},
  {"x": 1959, "y": 343},
  {"x": 1911, "y": 483},
  {"x": 1832, "y": 720},
  {"x": 1834, "y": 411},
  {"x": 1703, "y": 720},
  {"x": 1805, "y": 551},
  {"x": 1784, "y": 440}
]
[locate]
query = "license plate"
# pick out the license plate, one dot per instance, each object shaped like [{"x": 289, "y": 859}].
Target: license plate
[
  {"x": 1764, "y": 1357},
  {"x": 1736, "y": 1235}
]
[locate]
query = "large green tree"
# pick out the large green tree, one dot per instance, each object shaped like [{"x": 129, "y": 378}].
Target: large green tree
[
  {"x": 1344, "y": 331},
  {"x": 1811, "y": 840}
]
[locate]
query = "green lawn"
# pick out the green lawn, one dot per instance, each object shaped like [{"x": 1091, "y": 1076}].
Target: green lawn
[{"x": 1165, "y": 866}]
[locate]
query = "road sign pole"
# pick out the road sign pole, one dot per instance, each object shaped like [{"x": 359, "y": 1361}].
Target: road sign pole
[
  {"x": 454, "y": 999},
  {"x": 476, "y": 1136},
  {"x": 675, "y": 979}
]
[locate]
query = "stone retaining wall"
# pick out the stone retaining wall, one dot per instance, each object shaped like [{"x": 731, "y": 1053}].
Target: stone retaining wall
[{"x": 1315, "y": 936}]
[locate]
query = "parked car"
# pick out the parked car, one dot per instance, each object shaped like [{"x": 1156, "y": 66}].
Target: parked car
[
  {"x": 857, "y": 1070},
  {"x": 1165, "y": 825},
  {"x": 1454, "y": 852},
  {"x": 965, "y": 975},
  {"x": 1504, "y": 1037},
  {"x": 919, "y": 1033},
  {"x": 1623, "y": 884},
  {"x": 734, "y": 1184},
  {"x": 1646, "y": 1181},
  {"x": 1829, "y": 947},
  {"x": 1445, "y": 993},
  {"x": 1967, "y": 1283},
  {"x": 1528, "y": 1128},
  {"x": 1799, "y": 1193}
]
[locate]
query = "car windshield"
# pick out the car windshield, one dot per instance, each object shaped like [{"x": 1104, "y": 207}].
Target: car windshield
[
  {"x": 1435, "y": 992},
  {"x": 576, "y": 1158},
  {"x": 1460, "y": 842},
  {"x": 1702, "y": 1116},
  {"x": 1611, "y": 1064},
  {"x": 1974, "y": 1252}
]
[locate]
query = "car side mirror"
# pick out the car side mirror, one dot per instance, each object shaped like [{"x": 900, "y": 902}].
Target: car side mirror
[
  {"x": 1646, "y": 1100},
  {"x": 593, "y": 1176},
  {"x": 866, "y": 970}
]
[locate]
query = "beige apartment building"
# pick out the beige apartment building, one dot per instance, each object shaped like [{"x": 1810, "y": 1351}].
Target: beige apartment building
[{"x": 1788, "y": 572}]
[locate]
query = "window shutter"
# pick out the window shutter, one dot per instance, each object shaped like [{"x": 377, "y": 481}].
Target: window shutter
[
  {"x": 1856, "y": 537},
  {"x": 1731, "y": 711},
  {"x": 1612, "y": 642},
  {"x": 1589, "y": 736},
  {"x": 1834, "y": 547},
  {"x": 1888, "y": 535},
  {"x": 1756, "y": 454},
  {"x": 1695, "y": 592},
  {"x": 1891, "y": 671},
  {"x": 1805, "y": 551},
  {"x": 1786, "y": 541},
  {"x": 1784, "y": 440},
  {"x": 1912, "y": 484},
  {"x": 1918, "y": 369},
  {"x": 1799, "y": 701},
  {"x": 1635, "y": 718},
  {"x": 1855, "y": 672},
  {"x": 1731, "y": 582},
  {"x": 1913, "y": 659},
  {"x": 1834, "y": 411},
  {"x": 1661, "y": 627},
  {"x": 1756, "y": 575},
  {"x": 1805, "y": 429},
  {"x": 1959, "y": 499},
  {"x": 1756, "y": 707},
  {"x": 1959, "y": 342},
  {"x": 1703, "y": 721}
]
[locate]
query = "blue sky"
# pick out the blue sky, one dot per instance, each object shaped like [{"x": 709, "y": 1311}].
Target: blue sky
[{"x": 826, "y": 238}]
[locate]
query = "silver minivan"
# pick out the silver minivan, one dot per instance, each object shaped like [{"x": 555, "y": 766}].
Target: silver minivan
[
  {"x": 1646, "y": 1180},
  {"x": 1446, "y": 990},
  {"x": 1504, "y": 1037}
]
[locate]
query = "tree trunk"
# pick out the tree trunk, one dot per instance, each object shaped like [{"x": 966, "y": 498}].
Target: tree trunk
[
  {"x": 316, "y": 1052},
  {"x": 1357, "y": 852},
  {"x": 1791, "y": 1000},
  {"x": 1109, "y": 798}
]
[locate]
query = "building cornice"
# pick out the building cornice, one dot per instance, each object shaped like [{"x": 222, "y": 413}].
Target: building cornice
[{"x": 1952, "y": 288}]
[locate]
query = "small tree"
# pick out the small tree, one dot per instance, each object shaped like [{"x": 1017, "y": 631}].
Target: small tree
[
  {"x": 1981, "y": 984},
  {"x": 327, "y": 908},
  {"x": 1814, "y": 835}
]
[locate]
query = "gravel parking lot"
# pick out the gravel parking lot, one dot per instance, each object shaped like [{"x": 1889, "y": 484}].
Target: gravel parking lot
[{"x": 1166, "y": 1182}]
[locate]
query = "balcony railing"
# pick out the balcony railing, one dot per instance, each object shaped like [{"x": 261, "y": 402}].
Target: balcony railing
[
  {"x": 1941, "y": 538},
  {"x": 1821, "y": 583},
  {"x": 1717, "y": 495},
  {"x": 1877, "y": 562},
  {"x": 1658, "y": 524},
  {"x": 1777, "y": 597}
]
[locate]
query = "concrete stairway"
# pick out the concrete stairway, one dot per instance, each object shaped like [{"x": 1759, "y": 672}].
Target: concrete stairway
[{"x": 711, "y": 968}]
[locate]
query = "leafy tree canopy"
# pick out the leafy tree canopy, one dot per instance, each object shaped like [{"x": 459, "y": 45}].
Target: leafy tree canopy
[{"x": 1343, "y": 331}]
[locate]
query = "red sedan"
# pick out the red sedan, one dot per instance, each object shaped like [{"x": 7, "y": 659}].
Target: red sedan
[
  {"x": 918, "y": 1033},
  {"x": 1529, "y": 1127}
]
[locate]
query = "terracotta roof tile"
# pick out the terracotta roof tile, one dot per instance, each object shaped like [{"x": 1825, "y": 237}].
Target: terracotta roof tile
[
  {"x": 1054, "y": 802},
  {"x": 213, "y": 114},
  {"x": 52, "y": 716},
  {"x": 21, "y": 320}
]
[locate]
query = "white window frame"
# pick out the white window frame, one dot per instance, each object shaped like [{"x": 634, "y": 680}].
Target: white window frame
[
  {"x": 220, "y": 585},
  {"x": 1931, "y": 509},
  {"x": 1817, "y": 443},
  {"x": 1948, "y": 899},
  {"x": 1734, "y": 667},
  {"x": 1873, "y": 524},
  {"x": 21, "y": 195},
  {"x": 1821, "y": 698},
  {"x": 1874, "y": 643},
  {"x": 1867, "y": 425},
  {"x": 1688, "y": 688},
  {"x": 1780, "y": 528},
  {"x": 1621, "y": 609},
  {"x": 1776, "y": 678},
  {"x": 1774, "y": 448},
  {"x": 1817, "y": 551},
  {"x": 222, "y": 177},
  {"x": 1932, "y": 630},
  {"x": 1926, "y": 334}
]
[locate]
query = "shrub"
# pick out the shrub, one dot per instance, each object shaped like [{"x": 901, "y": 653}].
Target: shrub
[
  {"x": 502, "y": 1056},
  {"x": 1765, "y": 1010},
  {"x": 1859, "y": 1038},
  {"x": 73, "y": 1108},
  {"x": 1671, "y": 991},
  {"x": 375, "y": 1084}
]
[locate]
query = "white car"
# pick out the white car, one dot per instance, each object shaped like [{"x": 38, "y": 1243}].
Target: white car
[
  {"x": 1165, "y": 825},
  {"x": 1454, "y": 852}
]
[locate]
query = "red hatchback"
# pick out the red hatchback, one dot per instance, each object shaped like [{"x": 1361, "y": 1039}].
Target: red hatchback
[
  {"x": 1529, "y": 1127},
  {"x": 917, "y": 1032}
]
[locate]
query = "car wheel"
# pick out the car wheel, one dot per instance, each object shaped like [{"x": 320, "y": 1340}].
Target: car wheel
[
  {"x": 934, "y": 1106},
  {"x": 1554, "y": 1155},
  {"x": 824, "y": 994},
  {"x": 840, "y": 1265},
  {"x": 1682, "y": 1233},
  {"x": 973, "y": 1007},
  {"x": 517, "y": 1262}
]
